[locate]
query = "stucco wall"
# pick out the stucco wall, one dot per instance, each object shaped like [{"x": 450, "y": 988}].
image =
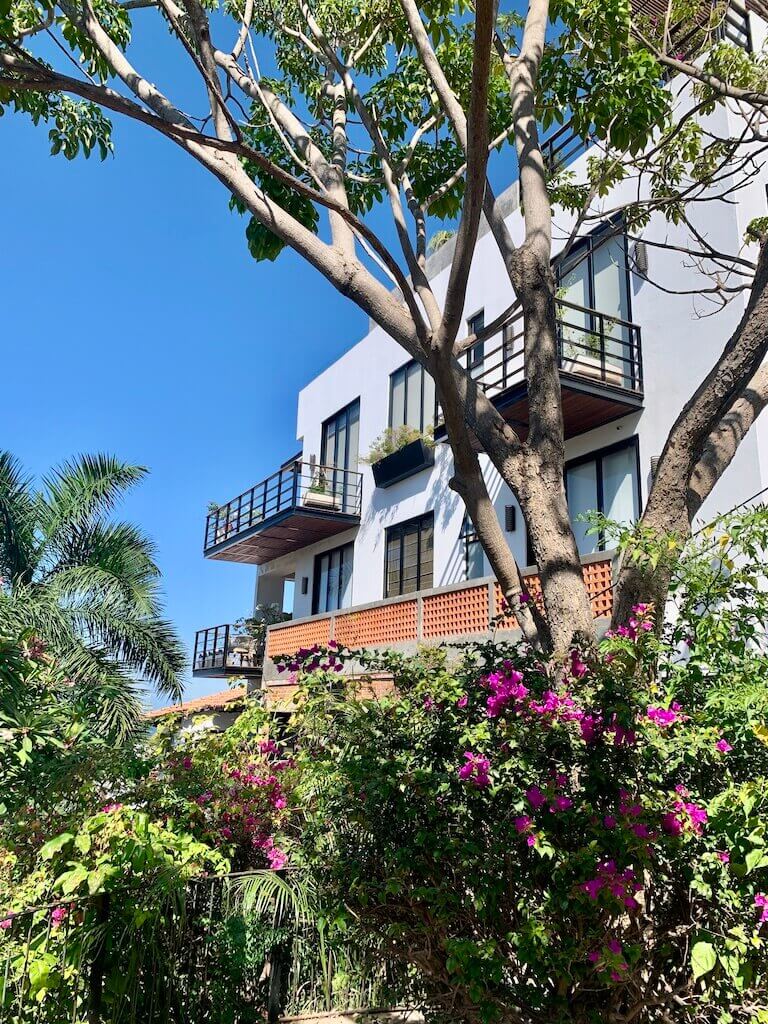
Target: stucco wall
[{"x": 679, "y": 345}]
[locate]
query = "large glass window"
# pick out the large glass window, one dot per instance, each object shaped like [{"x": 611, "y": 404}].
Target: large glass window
[
  {"x": 411, "y": 397},
  {"x": 339, "y": 454},
  {"x": 333, "y": 580},
  {"x": 474, "y": 562},
  {"x": 606, "y": 482},
  {"x": 594, "y": 278},
  {"x": 408, "y": 558}
]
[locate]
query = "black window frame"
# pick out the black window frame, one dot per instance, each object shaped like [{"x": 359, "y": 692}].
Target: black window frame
[
  {"x": 423, "y": 424},
  {"x": 597, "y": 457},
  {"x": 344, "y": 410},
  {"x": 316, "y": 574},
  {"x": 469, "y": 537},
  {"x": 597, "y": 237},
  {"x": 421, "y": 520},
  {"x": 476, "y": 354}
]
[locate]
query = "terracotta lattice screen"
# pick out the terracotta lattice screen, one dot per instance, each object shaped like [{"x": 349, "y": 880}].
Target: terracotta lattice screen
[
  {"x": 460, "y": 611},
  {"x": 288, "y": 639},
  {"x": 455, "y": 612},
  {"x": 387, "y": 624}
]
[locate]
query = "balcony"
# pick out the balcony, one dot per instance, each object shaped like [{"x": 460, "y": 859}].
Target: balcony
[
  {"x": 222, "y": 651},
  {"x": 300, "y": 504},
  {"x": 450, "y": 613},
  {"x": 600, "y": 363}
]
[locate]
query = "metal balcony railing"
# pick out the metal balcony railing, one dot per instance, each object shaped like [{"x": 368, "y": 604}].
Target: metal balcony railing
[
  {"x": 591, "y": 344},
  {"x": 299, "y": 487},
  {"x": 227, "y": 650}
]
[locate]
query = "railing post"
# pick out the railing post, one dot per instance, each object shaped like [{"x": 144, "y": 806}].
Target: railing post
[
  {"x": 602, "y": 346},
  {"x": 295, "y": 491}
]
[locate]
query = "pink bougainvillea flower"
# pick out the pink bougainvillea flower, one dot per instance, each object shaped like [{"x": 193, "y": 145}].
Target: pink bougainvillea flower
[
  {"x": 665, "y": 717},
  {"x": 535, "y": 797},
  {"x": 723, "y": 747},
  {"x": 462, "y": 701},
  {"x": 280, "y": 803},
  {"x": 610, "y": 821},
  {"x": 6, "y": 924},
  {"x": 723, "y": 856},
  {"x": 523, "y": 823},
  {"x": 475, "y": 769},
  {"x": 578, "y": 667},
  {"x": 761, "y": 903},
  {"x": 525, "y": 597},
  {"x": 268, "y": 747},
  {"x": 560, "y": 803},
  {"x": 110, "y": 808},
  {"x": 187, "y": 763},
  {"x": 429, "y": 704},
  {"x": 59, "y": 915},
  {"x": 277, "y": 858}
]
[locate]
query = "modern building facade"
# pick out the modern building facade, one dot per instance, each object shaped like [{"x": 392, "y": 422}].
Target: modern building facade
[{"x": 383, "y": 554}]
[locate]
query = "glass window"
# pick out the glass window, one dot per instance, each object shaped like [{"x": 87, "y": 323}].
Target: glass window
[
  {"x": 594, "y": 279},
  {"x": 409, "y": 554},
  {"x": 606, "y": 482},
  {"x": 339, "y": 455},
  {"x": 474, "y": 561},
  {"x": 411, "y": 397},
  {"x": 476, "y": 355},
  {"x": 333, "y": 580}
]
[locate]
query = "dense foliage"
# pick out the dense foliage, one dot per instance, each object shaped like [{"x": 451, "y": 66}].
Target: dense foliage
[
  {"x": 86, "y": 586},
  {"x": 563, "y": 844}
]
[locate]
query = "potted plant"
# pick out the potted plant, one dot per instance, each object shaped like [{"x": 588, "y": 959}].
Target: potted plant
[
  {"x": 400, "y": 452},
  {"x": 319, "y": 494}
]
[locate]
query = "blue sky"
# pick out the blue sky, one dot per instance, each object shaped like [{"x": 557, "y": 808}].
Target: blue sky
[{"x": 136, "y": 322}]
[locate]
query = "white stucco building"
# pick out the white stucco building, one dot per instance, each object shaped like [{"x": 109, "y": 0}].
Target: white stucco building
[{"x": 632, "y": 354}]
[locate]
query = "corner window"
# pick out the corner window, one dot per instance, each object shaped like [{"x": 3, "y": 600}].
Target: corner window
[
  {"x": 594, "y": 307},
  {"x": 411, "y": 397},
  {"x": 476, "y": 355},
  {"x": 474, "y": 562},
  {"x": 408, "y": 556},
  {"x": 606, "y": 481},
  {"x": 333, "y": 580}
]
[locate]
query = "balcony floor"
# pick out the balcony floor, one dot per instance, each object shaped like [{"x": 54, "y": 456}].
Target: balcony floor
[
  {"x": 228, "y": 672},
  {"x": 281, "y": 534},
  {"x": 586, "y": 404}
]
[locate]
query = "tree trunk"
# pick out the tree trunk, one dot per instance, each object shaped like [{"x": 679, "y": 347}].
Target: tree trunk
[
  {"x": 700, "y": 430},
  {"x": 541, "y": 490}
]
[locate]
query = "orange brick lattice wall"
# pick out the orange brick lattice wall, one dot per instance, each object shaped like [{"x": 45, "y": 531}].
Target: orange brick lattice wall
[
  {"x": 453, "y": 613},
  {"x": 389, "y": 624},
  {"x": 597, "y": 579},
  {"x": 458, "y": 611},
  {"x": 291, "y": 638}
]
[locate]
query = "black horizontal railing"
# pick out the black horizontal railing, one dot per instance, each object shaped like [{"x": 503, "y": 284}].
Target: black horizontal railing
[
  {"x": 298, "y": 486},
  {"x": 562, "y": 146},
  {"x": 591, "y": 344},
  {"x": 227, "y": 649},
  {"x": 734, "y": 28}
]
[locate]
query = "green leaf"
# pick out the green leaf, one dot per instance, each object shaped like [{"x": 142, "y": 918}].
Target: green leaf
[
  {"x": 703, "y": 959},
  {"x": 55, "y": 845}
]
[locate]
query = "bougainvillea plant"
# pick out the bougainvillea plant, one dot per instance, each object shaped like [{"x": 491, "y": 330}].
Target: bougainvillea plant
[{"x": 580, "y": 842}]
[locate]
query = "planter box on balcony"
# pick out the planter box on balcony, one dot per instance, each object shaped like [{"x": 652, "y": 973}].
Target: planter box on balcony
[
  {"x": 321, "y": 499},
  {"x": 405, "y": 462}
]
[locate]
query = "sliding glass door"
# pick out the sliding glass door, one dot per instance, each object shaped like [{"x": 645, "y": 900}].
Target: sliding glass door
[{"x": 339, "y": 455}]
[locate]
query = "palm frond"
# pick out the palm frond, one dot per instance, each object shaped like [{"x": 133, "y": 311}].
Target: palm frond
[
  {"x": 283, "y": 899},
  {"x": 82, "y": 492},
  {"x": 18, "y": 542}
]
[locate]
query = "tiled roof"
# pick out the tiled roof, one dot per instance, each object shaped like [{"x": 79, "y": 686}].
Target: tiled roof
[{"x": 211, "y": 702}]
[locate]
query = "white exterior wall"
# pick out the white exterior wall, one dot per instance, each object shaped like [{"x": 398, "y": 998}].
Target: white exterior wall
[{"x": 679, "y": 346}]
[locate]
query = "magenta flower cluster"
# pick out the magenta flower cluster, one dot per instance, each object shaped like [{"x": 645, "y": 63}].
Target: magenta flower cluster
[
  {"x": 475, "y": 769},
  {"x": 685, "y": 816},
  {"x": 621, "y": 885}
]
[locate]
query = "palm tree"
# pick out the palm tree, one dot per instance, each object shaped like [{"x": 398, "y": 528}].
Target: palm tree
[{"x": 86, "y": 586}]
